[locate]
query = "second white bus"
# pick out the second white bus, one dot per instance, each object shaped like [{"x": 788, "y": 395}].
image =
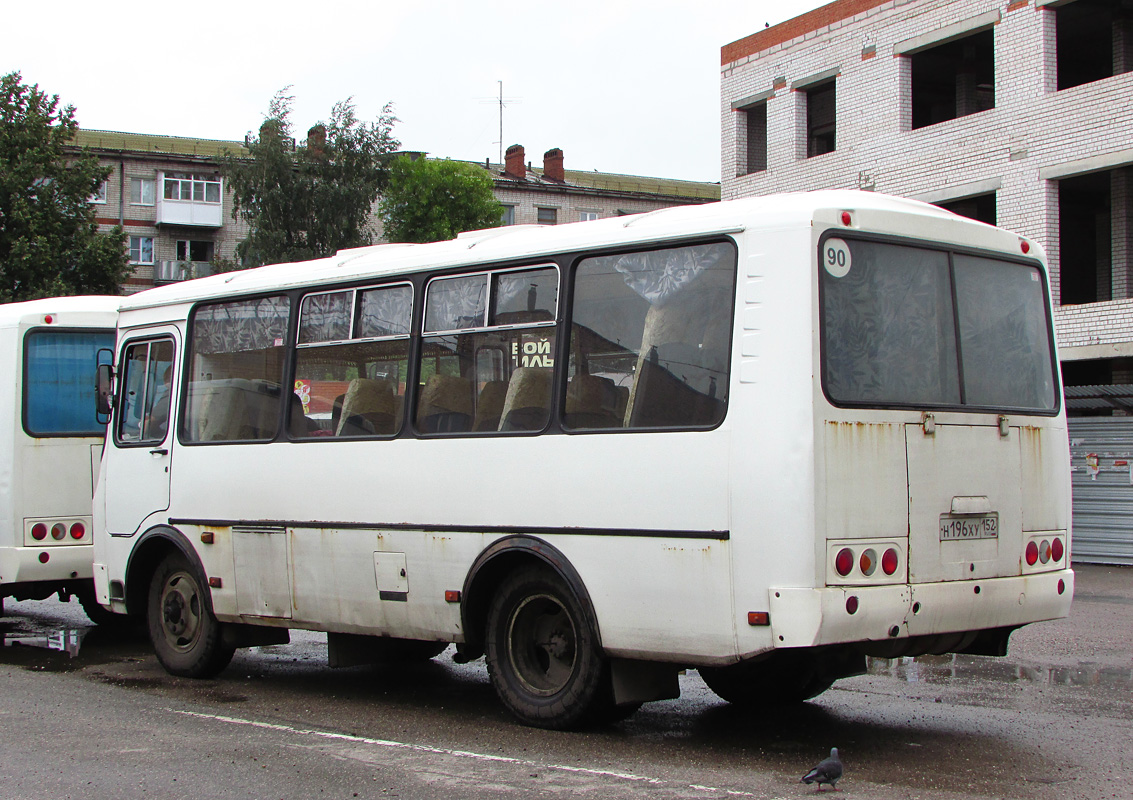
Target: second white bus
[{"x": 762, "y": 438}]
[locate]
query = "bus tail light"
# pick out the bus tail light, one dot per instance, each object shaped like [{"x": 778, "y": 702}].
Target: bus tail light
[
  {"x": 39, "y": 531},
  {"x": 852, "y": 604},
  {"x": 844, "y": 561},
  {"x": 868, "y": 561},
  {"x": 889, "y": 561},
  {"x": 58, "y": 531},
  {"x": 44, "y": 557},
  {"x": 1032, "y": 553},
  {"x": 1056, "y": 549},
  {"x": 1044, "y": 551},
  {"x": 78, "y": 530}
]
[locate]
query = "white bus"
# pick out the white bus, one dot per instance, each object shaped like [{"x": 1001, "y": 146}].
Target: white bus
[
  {"x": 762, "y": 438},
  {"x": 50, "y": 445}
]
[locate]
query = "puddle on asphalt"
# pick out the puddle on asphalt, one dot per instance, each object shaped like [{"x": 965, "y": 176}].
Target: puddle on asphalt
[
  {"x": 66, "y": 640},
  {"x": 966, "y": 669}
]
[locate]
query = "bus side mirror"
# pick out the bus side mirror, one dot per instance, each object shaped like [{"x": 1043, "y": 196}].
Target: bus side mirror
[{"x": 104, "y": 390}]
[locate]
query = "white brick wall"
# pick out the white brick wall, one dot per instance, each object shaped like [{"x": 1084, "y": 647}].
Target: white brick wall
[{"x": 1031, "y": 128}]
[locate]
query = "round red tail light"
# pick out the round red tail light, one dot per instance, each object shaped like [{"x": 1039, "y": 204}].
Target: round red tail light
[
  {"x": 1032, "y": 554},
  {"x": 1056, "y": 550},
  {"x": 868, "y": 562},
  {"x": 78, "y": 530},
  {"x": 44, "y": 558},
  {"x": 844, "y": 561},
  {"x": 889, "y": 561},
  {"x": 39, "y": 531},
  {"x": 58, "y": 531},
  {"x": 851, "y": 605}
]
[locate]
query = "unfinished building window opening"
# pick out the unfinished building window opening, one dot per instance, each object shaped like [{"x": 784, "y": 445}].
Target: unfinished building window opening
[
  {"x": 979, "y": 207},
  {"x": 820, "y": 118},
  {"x": 1094, "y": 40},
  {"x": 953, "y": 79},
  {"x": 754, "y": 120},
  {"x": 1085, "y": 246}
]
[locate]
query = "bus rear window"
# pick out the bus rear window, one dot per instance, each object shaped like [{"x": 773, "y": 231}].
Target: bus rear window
[
  {"x": 910, "y": 326},
  {"x": 59, "y": 381}
]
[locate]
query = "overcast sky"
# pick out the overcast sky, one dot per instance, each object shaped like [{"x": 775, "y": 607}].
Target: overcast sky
[{"x": 628, "y": 86}]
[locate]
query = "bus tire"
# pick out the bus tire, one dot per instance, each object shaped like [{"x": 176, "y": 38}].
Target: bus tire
[
  {"x": 106, "y": 620},
  {"x": 542, "y": 654},
  {"x": 185, "y": 634}
]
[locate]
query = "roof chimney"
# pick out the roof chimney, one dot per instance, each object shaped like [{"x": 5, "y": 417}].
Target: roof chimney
[
  {"x": 513, "y": 162},
  {"x": 553, "y": 165},
  {"x": 317, "y": 140}
]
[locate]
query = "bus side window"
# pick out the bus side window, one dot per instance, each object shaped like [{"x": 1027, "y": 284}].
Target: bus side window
[{"x": 677, "y": 304}]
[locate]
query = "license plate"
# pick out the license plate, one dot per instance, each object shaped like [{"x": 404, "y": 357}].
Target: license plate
[{"x": 962, "y": 528}]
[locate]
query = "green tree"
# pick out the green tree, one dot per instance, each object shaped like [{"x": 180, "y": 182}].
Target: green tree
[
  {"x": 429, "y": 200},
  {"x": 312, "y": 200},
  {"x": 49, "y": 240}
]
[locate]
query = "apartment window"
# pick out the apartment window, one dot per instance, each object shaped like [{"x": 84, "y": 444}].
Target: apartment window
[
  {"x": 953, "y": 79},
  {"x": 1085, "y": 208},
  {"x": 820, "y": 119},
  {"x": 586, "y": 216},
  {"x": 547, "y": 216},
  {"x": 141, "y": 249},
  {"x": 508, "y": 217},
  {"x": 99, "y": 195},
  {"x": 190, "y": 250},
  {"x": 192, "y": 187},
  {"x": 142, "y": 191},
  {"x": 1094, "y": 40}
]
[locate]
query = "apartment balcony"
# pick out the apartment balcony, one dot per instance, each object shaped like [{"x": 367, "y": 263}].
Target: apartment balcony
[
  {"x": 190, "y": 200},
  {"x": 173, "y": 271}
]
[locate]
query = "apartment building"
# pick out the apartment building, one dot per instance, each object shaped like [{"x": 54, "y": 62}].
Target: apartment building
[
  {"x": 1015, "y": 112},
  {"x": 169, "y": 195}
]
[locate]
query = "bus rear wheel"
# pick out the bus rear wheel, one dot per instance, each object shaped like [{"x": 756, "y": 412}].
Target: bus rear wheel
[
  {"x": 542, "y": 654},
  {"x": 185, "y": 634}
]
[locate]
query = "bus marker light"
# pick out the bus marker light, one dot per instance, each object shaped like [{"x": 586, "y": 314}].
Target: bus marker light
[
  {"x": 48, "y": 319},
  {"x": 1061, "y": 586},
  {"x": 852, "y": 604},
  {"x": 44, "y": 558},
  {"x": 889, "y": 561},
  {"x": 58, "y": 531},
  {"x": 1056, "y": 551},
  {"x": 452, "y": 595},
  {"x": 868, "y": 562},
  {"x": 846, "y": 218},
  {"x": 1032, "y": 554},
  {"x": 844, "y": 561},
  {"x": 78, "y": 530},
  {"x": 758, "y": 618},
  {"x": 216, "y": 583},
  {"x": 1025, "y": 246},
  {"x": 39, "y": 531},
  {"x": 207, "y": 537}
]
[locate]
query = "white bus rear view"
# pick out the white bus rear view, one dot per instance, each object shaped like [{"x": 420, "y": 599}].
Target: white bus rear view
[
  {"x": 51, "y": 443},
  {"x": 762, "y": 438}
]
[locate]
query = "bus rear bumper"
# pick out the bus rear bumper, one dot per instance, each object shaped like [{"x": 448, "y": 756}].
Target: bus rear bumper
[
  {"x": 811, "y": 617},
  {"x": 64, "y": 563}
]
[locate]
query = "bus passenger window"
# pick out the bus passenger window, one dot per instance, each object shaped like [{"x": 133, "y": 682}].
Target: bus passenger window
[
  {"x": 147, "y": 369},
  {"x": 488, "y": 352},
  {"x": 650, "y": 339}
]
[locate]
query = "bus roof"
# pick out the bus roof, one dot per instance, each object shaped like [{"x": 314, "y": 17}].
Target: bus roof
[
  {"x": 35, "y": 311},
  {"x": 521, "y": 242}
]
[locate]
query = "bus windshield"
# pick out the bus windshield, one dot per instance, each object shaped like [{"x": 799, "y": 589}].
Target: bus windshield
[
  {"x": 59, "y": 382},
  {"x": 913, "y": 326}
]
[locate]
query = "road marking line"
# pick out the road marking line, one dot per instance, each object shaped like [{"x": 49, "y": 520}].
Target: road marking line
[{"x": 421, "y": 748}]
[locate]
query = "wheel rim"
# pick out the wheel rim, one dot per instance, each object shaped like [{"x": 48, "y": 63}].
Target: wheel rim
[
  {"x": 542, "y": 644},
  {"x": 180, "y": 611}
]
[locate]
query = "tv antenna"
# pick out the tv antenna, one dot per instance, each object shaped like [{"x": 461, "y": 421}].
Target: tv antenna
[{"x": 502, "y": 102}]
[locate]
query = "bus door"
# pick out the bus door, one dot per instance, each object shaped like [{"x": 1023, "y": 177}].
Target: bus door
[{"x": 142, "y": 438}]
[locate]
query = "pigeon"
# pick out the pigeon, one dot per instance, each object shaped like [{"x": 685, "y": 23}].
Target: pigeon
[{"x": 829, "y": 770}]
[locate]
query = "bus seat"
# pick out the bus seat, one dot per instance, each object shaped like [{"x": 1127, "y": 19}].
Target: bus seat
[
  {"x": 527, "y": 406},
  {"x": 336, "y": 413},
  {"x": 445, "y": 405},
  {"x": 591, "y": 402},
  {"x": 489, "y": 406},
  {"x": 224, "y": 415},
  {"x": 368, "y": 409}
]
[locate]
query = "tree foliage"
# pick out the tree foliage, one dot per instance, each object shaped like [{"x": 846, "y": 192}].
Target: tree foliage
[
  {"x": 312, "y": 200},
  {"x": 429, "y": 200},
  {"x": 49, "y": 240}
]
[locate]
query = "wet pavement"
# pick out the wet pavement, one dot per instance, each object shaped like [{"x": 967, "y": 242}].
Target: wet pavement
[{"x": 89, "y": 713}]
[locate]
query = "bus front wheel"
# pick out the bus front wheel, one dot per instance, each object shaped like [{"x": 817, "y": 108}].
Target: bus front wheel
[
  {"x": 542, "y": 654},
  {"x": 185, "y": 634}
]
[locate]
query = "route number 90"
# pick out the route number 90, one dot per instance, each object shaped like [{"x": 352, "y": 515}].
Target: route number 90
[{"x": 836, "y": 257}]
